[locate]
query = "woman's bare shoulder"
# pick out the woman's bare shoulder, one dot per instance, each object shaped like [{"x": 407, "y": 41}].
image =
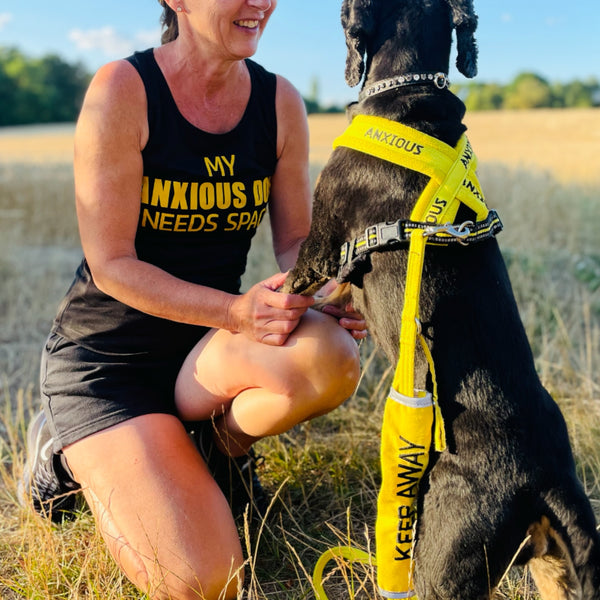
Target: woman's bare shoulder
[
  {"x": 118, "y": 80},
  {"x": 292, "y": 122},
  {"x": 115, "y": 102},
  {"x": 288, "y": 96}
]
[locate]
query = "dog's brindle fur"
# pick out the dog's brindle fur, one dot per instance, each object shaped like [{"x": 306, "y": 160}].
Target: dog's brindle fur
[{"x": 508, "y": 473}]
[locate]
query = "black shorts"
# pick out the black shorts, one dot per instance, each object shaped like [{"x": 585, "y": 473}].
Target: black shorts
[{"x": 85, "y": 391}]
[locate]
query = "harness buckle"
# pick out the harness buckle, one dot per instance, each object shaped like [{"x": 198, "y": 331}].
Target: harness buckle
[
  {"x": 383, "y": 234},
  {"x": 344, "y": 254},
  {"x": 460, "y": 233}
]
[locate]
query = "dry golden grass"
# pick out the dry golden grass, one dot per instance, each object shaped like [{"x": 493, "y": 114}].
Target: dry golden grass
[
  {"x": 324, "y": 473},
  {"x": 37, "y": 144},
  {"x": 565, "y": 143}
]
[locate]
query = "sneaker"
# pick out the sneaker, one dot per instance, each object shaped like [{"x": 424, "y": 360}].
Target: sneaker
[
  {"x": 46, "y": 482},
  {"x": 246, "y": 489},
  {"x": 236, "y": 476}
]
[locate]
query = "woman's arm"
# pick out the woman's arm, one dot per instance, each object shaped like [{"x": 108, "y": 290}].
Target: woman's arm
[{"x": 291, "y": 197}]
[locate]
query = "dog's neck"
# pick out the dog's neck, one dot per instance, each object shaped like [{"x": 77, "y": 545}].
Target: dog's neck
[{"x": 439, "y": 80}]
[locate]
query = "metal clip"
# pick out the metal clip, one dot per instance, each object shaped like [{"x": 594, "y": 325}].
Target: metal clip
[
  {"x": 459, "y": 233},
  {"x": 441, "y": 81},
  {"x": 419, "y": 326}
]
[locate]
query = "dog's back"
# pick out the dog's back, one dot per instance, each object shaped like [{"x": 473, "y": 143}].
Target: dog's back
[{"x": 508, "y": 474}]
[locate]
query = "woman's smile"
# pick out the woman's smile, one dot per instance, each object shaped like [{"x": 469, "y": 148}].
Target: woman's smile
[{"x": 247, "y": 24}]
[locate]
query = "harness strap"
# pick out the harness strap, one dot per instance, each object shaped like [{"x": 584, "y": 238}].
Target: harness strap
[
  {"x": 415, "y": 150},
  {"x": 389, "y": 235},
  {"x": 453, "y": 181}
]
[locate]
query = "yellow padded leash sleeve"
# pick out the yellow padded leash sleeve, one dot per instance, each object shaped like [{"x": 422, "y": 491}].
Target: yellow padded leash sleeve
[{"x": 405, "y": 441}]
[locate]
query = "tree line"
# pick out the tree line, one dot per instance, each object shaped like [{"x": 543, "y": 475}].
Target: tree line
[
  {"x": 41, "y": 90},
  {"x": 528, "y": 90},
  {"x": 525, "y": 91},
  {"x": 50, "y": 90}
]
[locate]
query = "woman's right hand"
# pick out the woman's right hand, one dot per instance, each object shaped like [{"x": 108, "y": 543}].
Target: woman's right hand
[{"x": 266, "y": 315}]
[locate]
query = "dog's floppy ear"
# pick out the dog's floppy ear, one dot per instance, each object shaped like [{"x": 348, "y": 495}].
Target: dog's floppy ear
[
  {"x": 358, "y": 22},
  {"x": 464, "y": 20}
]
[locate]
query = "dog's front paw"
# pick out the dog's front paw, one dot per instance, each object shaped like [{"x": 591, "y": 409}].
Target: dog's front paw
[{"x": 306, "y": 284}]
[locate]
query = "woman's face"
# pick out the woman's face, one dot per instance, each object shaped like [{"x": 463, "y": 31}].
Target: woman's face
[{"x": 232, "y": 27}]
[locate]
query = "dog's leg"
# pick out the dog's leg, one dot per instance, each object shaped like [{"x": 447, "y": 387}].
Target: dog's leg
[
  {"x": 304, "y": 281},
  {"x": 318, "y": 259},
  {"x": 565, "y": 556},
  {"x": 553, "y": 578},
  {"x": 577, "y": 526},
  {"x": 308, "y": 276},
  {"x": 340, "y": 296},
  {"x": 551, "y": 566}
]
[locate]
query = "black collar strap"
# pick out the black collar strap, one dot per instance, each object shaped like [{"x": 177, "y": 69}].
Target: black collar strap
[
  {"x": 440, "y": 80},
  {"x": 390, "y": 235}
]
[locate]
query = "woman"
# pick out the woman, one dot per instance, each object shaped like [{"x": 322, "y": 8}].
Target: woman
[{"x": 179, "y": 151}]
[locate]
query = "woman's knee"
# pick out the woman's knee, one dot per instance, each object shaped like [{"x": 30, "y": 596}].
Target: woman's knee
[
  {"x": 219, "y": 584},
  {"x": 215, "y": 573},
  {"x": 344, "y": 358},
  {"x": 161, "y": 514},
  {"x": 334, "y": 367}
]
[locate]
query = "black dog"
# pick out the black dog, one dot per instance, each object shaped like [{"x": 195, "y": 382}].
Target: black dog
[{"x": 508, "y": 472}]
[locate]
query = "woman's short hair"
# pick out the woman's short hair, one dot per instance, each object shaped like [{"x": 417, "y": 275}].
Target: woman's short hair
[{"x": 169, "y": 22}]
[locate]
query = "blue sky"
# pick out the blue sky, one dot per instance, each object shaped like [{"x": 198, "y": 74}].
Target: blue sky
[{"x": 558, "y": 40}]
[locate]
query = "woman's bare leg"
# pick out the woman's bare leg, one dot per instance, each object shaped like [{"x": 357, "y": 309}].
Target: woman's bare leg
[
  {"x": 260, "y": 390},
  {"x": 163, "y": 517}
]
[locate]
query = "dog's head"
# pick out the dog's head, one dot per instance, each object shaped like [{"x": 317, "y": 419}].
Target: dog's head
[{"x": 365, "y": 22}]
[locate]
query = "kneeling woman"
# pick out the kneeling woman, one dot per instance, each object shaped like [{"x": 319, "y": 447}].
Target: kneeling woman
[{"x": 178, "y": 152}]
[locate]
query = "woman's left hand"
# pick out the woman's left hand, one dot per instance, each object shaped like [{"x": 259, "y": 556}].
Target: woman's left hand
[{"x": 349, "y": 319}]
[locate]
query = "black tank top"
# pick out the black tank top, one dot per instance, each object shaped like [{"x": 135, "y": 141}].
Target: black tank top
[{"x": 202, "y": 197}]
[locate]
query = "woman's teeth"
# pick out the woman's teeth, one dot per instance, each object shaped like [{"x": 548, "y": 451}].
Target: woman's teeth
[{"x": 248, "y": 24}]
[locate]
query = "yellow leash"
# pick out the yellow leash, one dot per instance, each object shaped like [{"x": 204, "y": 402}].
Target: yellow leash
[
  {"x": 412, "y": 419},
  {"x": 348, "y": 553}
]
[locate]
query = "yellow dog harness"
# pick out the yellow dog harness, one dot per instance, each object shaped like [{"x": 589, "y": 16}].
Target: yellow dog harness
[{"x": 412, "y": 419}]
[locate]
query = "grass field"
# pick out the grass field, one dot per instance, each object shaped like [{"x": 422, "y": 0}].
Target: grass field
[
  {"x": 563, "y": 143},
  {"x": 541, "y": 171}
]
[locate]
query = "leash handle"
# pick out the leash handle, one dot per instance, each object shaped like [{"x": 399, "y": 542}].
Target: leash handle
[{"x": 352, "y": 555}]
